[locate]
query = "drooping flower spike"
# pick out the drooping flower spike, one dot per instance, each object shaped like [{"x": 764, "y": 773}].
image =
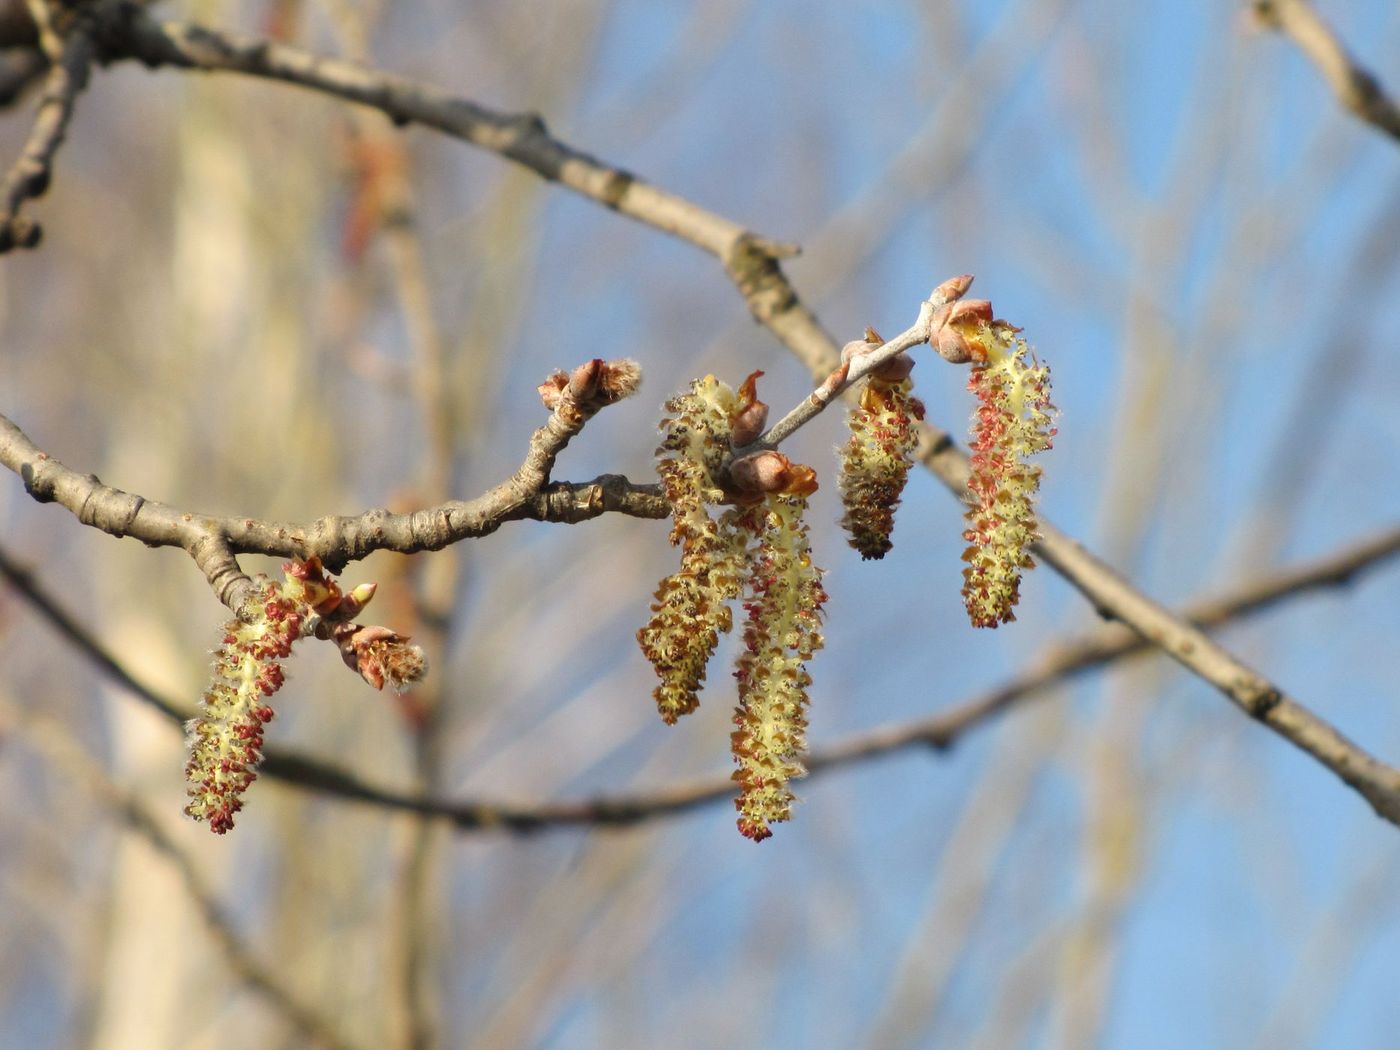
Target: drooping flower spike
[
  {"x": 225, "y": 742},
  {"x": 755, "y": 547},
  {"x": 1014, "y": 419},
  {"x": 876, "y": 458}
]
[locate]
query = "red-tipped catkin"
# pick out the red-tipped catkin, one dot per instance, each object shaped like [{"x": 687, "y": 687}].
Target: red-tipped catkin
[
  {"x": 225, "y": 741},
  {"x": 1014, "y": 419}
]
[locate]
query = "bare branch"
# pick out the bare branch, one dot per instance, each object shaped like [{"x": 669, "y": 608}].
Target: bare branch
[
  {"x": 939, "y": 731},
  {"x": 213, "y": 542},
  {"x": 1356, "y": 88},
  {"x": 30, "y": 174}
]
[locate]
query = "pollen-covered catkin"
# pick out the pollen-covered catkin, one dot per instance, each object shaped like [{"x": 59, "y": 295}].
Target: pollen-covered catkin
[
  {"x": 691, "y": 607},
  {"x": 782, "y": 631},
  {"x": 1014, "y": 419},
  {"x": 875, "y": 462}
]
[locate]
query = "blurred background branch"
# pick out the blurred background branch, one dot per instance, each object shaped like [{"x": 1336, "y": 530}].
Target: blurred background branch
[{"x": 1355, "y": 87}]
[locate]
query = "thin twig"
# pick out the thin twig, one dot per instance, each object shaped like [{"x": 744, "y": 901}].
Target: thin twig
[
  {"x": 938, "y": 731},
  {"x": 1355, "y": 87},
  {"x": 29, "y": 176},
  {"x": 932, "y": 314}
]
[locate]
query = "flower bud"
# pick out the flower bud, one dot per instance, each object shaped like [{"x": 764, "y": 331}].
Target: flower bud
[
  {"x": 748, "y": 421},
  {"x": 583, "y": 381},
  {"x": 952, "y": 289},
  {"x": 772, "y": 472},
  {"x": 551, "y": 391}
]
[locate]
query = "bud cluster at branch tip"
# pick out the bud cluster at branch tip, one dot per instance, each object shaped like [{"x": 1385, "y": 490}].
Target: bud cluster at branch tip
[
  {"x": 225, "y": 741},
  {"x": 575, "y": 396}
]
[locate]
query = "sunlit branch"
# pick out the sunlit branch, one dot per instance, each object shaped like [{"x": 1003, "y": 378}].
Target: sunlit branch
[
  {"x": 29, "y": 176},
  {"x": 752, "y": 263},
  {"x": 214, "y": 541}
]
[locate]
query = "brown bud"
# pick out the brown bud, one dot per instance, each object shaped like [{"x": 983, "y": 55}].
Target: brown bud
[
  {"x": 592, "y": 384},
  {"x": 895, "y": 370},
  {"x": 951, "y": 290},
  {"x": 772, "y": 472},
  {"x": 949, "y": 324},
  {"x": 551, "y": 391},
  {"x": 970, "y": 311},
  {"x": 751, "y": 416},
  {"x": 583, "y": 383},
  {"x": 853, "y": 349}
]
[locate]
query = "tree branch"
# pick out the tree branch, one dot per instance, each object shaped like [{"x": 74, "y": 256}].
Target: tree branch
[
  {"x": 939, "y": 731},
  {"x": 1356, "y": 88},
  {"x": 214, "y": 541},
  {"x": 752, "y": 263},
  {"x": 29, "y": 176}
]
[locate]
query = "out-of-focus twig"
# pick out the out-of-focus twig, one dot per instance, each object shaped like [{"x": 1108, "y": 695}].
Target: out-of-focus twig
[
  {"x": 1356, "y": 88},
  {"x": 937, "y": 731},
  {"x": 29, "y": 176},
  {"x": 19, "y": 67},
  {"x": 55, "y": 742}
]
